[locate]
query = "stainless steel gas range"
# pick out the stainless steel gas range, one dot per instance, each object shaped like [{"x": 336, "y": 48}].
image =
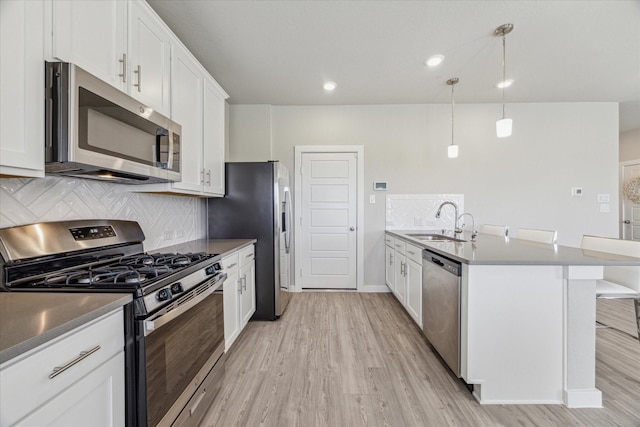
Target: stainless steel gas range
[{"x": 174, "y": 333}]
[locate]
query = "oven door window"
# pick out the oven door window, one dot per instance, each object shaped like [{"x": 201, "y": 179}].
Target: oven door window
[{"x": 176, "y": 352}]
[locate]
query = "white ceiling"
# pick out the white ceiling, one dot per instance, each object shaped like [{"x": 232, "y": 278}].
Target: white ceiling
[{"x": 281, "y": 52}]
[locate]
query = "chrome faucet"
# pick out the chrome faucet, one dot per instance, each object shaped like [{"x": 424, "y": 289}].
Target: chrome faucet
[
  {"x": 474, "y": 232},
  {"x": 456, "y": 226}
]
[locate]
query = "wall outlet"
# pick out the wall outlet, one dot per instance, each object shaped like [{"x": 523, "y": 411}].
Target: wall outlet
[
  {"x": 604, "y": 207},
  {"x": 418, "y": 221},
  {"x": 167, "y": 235},
  {"x": 179, "y": 233}
]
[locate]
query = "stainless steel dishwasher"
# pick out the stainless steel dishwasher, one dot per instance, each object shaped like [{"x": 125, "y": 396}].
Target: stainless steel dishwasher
[{"x": 441, "y": 306}]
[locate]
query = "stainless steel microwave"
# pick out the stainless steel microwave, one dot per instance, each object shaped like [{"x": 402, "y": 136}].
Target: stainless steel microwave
[{"x": 94, "y": 130}]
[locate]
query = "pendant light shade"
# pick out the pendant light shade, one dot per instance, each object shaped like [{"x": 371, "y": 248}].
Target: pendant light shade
[
  {"x": 504, "y": 125},
  {"x": 452, "y": 151}
]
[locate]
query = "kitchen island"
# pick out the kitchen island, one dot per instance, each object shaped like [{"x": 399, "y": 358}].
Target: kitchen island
[{"x": 527, "y": 318}]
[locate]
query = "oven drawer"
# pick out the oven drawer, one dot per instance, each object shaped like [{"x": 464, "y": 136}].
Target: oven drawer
[
  {"x": 199, "y": 403},
  {"x": 230, "y": 263},
  {"x": 30, "y": 380},
  {"x": 246, "y": 256}
]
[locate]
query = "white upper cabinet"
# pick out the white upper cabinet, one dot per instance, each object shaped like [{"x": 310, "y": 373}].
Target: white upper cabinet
[
  {"x": 214, "y": 137},
  {"x": 93, "y": 35},
  {"x": 198, "y": 104},
  {"x": 129, "y": 49},
  {"x": 149, "y": 60},
  {"x": 187, "y": 109},
  {"x": 21, "y": 83}
]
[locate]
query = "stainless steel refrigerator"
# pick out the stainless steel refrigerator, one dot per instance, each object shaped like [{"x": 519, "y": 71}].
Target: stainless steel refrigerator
[{"x": 257, "y": 205}]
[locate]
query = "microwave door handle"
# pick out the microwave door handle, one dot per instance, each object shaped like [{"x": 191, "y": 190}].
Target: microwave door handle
[
  {"x": 170, "y": 154},
  {"x": 160, "y": 132}
]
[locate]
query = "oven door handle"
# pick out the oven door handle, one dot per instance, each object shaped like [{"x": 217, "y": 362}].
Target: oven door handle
[{"x": 162, "y": 318}]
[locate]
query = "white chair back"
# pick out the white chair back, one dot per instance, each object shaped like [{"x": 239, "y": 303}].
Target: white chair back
[
  {"x": 542, "y": 236},
  {"x": 628, "y": 276},
  {"x": 495, "y": 230}
]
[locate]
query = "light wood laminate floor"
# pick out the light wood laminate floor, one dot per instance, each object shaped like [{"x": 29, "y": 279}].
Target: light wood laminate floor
[{"x": 349, "y": 359}]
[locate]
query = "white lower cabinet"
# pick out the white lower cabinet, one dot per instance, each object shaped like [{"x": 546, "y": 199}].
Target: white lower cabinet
[
  {"x": 399, "y": 268},
  {"x": 403, "y": 271},
  {"x": 389, "y": 270},
  {"x": 414, "y": 291},
  {"x": 75, "y": 379},
  {"x": 248, "y": 284},
  {"x": 239, "y": 292}
]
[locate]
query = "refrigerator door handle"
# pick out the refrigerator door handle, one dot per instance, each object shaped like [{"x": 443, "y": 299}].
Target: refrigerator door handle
[{"x": 286, "y": 222}]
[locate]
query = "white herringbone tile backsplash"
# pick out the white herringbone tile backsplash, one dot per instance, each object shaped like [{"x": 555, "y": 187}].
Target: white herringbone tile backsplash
[{"x": 165, "y": 220}]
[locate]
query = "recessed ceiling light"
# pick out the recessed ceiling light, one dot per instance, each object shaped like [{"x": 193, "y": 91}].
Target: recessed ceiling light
[
  {"x": 434, "y": 60},
  {"x": 329, "y": 86},
  {"x": 505, "y": 83}
]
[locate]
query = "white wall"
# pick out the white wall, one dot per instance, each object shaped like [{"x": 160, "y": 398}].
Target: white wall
[
  {"x": 250, "y": 131},
  {"x": 524, "y": 180},
  {"x": 630, "y": 145}
]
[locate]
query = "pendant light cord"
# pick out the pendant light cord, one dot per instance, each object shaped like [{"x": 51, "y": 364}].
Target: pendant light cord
[
  {"x": 452, "y": 104},
  {"x": 504, "y": 67}
]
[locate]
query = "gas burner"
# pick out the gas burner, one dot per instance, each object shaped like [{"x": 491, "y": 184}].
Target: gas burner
[
  {"x": 116, "y": 275},
  {"x": 135, "y": 260}
]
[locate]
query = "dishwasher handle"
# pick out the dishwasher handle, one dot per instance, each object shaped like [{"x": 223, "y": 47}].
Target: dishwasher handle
[{"x": 453, "y": 267}]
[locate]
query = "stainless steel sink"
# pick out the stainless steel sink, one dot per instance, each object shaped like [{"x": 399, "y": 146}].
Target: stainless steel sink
[{"x": 435, "y": 237}]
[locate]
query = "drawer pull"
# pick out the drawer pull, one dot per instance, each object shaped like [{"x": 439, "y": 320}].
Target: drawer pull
[
  {"x": 411, "y": 252},
  {"x": 231, "y": 265},
  {"x": 249, "y": 255},
  {"x": 83, "y": 355}
]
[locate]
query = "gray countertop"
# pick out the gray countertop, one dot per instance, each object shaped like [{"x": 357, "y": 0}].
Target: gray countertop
[
  {"x": 496, "y": 250},
  {"x": 210, "y": 246},
  {"x": 29, "y": 319}
]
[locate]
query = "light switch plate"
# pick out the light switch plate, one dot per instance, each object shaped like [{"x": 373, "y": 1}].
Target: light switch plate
[{"x": 372, "y": 198}]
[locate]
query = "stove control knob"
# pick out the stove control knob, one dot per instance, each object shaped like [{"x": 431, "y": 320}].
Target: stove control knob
[
  {"x": 177, "y": 288},
  {"x": 211, "y": 270},
  {"x": 163, "y": 294}
]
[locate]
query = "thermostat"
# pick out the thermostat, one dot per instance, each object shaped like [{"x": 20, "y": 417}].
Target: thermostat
[
  {"x": 576, "y": 191},
  {"x": 380, "y": 185}
]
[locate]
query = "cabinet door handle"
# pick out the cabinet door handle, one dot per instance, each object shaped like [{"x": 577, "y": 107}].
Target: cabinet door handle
[
  {"x": 201, "y": 176},
  {"x": 208, "y": 177},
  {"x": 390, "y": 259},
  {"x": 139, "y": 73},
  {"x": 244, "y": 282},
  {"x": 83, "y": 355},
  {"x": 240, "y": 286},
  {"x": 401, "y": 268},
  {"x": 123, "y": 61}
]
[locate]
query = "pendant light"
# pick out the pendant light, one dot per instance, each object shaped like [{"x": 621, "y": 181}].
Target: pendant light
[
  {"x": 452, "y": 151},
  {"x": 504, "y": 125}
]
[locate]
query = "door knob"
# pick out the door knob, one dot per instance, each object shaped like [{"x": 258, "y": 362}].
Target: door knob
[
  {"x": 626, "y": 221},
  {"x": 352, "y": 228}
]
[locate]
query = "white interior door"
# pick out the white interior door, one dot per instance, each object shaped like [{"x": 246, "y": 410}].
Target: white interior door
[
  {"x": 630, "y": 209},
  {"x": 329, "y": 220}
]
